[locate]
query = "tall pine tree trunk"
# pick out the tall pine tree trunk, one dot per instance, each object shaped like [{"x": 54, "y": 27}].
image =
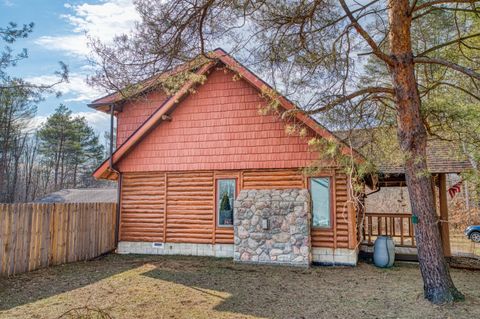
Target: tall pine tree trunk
[
  {"x": 58, "y": 155},
  {"x": 75, "y": 168},
  {"x": 438, "y": 285}
]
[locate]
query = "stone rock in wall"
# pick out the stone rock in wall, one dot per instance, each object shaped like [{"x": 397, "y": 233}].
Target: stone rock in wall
[
  {"x": 253, "y": 244},
  {"x": 264, "y": 257},
  {"x": 242, "y": 233},
  {"x": 281, "y": 237},
  {"x": 255, "y": 219},
  {"x": 287, "y": 239},
  {"x": 276, "y": 252},
  {"x": 246, "y": 256}
]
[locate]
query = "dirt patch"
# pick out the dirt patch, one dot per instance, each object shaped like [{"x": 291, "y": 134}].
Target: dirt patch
[{"x": 195, "y": 287}]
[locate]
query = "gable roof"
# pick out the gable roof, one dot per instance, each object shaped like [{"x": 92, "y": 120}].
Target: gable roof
[
  {"x": 159, "y": 115},
  {"x": 103, "y": 103},
  {"x": 83, "y": 195}
]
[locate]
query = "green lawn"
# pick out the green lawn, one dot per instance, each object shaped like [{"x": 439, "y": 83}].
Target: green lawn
[{"x": 194, "y": 287}]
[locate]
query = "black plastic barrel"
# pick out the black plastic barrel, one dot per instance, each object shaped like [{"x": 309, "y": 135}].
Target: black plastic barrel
[{"x": 384, "y": 252}]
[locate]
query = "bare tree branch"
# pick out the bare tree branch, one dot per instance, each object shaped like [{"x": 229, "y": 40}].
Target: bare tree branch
[
  {"x": 203, "y": 15},
  {"x": 371, "y": 42},
  {"x": 432, "y": 3},
  {"x": 439, "y": 83},
  {"x": 442, "y": 45},
  {"x": 349, "y": 97},
  {"x": 448, "y": 64},
  {"x": 412, "y": 7}
]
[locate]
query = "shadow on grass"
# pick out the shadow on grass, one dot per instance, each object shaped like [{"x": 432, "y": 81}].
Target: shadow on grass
[
  {"x": 318, "y": 292},
  {"x": 43, "y": 283},
  {"x": 239, "y": 290},
  {"x": 258, "y": 290}
]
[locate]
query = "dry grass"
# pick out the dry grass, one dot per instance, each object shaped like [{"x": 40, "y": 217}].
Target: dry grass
[{"x": 194, "y": 287}]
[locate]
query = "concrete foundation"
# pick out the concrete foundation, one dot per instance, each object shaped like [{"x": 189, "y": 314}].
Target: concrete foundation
[
  {"x": 335, "y": 257},
  {"x": 217, "y": 250}
]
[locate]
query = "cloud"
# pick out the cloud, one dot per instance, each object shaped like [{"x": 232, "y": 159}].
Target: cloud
[
  {"x": 8, "y": 3},
  {"x": 102, "y": 21},
  {"x": 99, "y": 121},
  {"x": 71, "y": 44},
  {"x": 36, "y": 122},
  {"x": 76, "y": 90}
]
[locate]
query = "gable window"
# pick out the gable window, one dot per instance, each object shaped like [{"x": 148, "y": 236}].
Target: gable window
[
  {"x": 225, "y": 199},
  {"x": 321, "y": 208}
]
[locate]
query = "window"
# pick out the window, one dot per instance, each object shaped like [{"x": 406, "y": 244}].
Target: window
[
  {"x": 320, "y": 190},
  {"x": 225, "y": 199}
]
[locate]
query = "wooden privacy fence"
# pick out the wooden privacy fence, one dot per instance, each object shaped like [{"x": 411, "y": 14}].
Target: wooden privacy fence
[
  {"x": 34, "y": 236},
  {"x": 398, "y": 226}
]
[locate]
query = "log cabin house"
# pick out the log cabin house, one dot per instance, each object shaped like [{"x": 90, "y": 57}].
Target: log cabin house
[{"x": 204, "y": 173}]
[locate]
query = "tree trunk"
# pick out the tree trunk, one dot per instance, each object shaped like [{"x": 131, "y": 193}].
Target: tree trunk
[
  {"x": 438, "y": 285},
  {"x": 62, "y": 170},
  {"x": 6, "y": 150},
  {"x": 57, "y": 163},
  {"x": 30, "y": 155},
  {"x": 75, "y": 167}
]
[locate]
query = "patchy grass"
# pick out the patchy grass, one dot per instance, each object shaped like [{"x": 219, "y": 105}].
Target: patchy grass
[{"x": 194, "y": 287}]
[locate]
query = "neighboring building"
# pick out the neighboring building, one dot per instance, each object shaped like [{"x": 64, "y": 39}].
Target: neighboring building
[
  {"x": 187, "y": 160},
  {"x": 443, "y": 157},
  {"x": 387, "y": 208},
  {"x": 81, "y": 195}
]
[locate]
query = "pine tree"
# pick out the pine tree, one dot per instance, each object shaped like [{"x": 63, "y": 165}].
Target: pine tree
[
  {"x": 69, "y": 146},
  {"x": 16, "y": 111}
]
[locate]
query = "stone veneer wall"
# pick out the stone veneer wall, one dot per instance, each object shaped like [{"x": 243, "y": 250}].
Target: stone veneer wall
[{"x": 287, "y": 239}]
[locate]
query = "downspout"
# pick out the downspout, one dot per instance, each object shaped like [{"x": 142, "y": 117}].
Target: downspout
[
  {"x": 377, "y": 189},
  {"x": 373, "y": 192},
  {"x": 119, "y": 184}
]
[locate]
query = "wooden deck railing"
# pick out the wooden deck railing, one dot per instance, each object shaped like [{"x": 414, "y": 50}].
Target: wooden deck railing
[{"x": 398, "y": 226}]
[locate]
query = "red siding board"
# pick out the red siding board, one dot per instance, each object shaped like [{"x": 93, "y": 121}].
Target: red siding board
[
  {"x": 219, "y": 127},
  {"x": 135, "y": 112}
]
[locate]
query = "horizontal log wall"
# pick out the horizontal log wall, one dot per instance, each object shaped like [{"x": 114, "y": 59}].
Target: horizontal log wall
[
  {"x": 142, "y": 206},
  {"x": 191, "y": 209},
  {"x": 34, "y": 236},
  {"x": 271, "y": 179}
]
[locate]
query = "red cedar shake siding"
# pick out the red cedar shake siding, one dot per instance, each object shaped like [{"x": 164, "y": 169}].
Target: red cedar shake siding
[
  {"x": 134, "y": 113},
  {"x": 217, "y": 128},
  {"x": 159, "y": 115}
]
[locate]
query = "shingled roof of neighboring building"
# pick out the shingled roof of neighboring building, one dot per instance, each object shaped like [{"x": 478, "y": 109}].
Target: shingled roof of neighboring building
[
  {"x": 83, "y": 195},
  {"x": 442, "y": 156}
]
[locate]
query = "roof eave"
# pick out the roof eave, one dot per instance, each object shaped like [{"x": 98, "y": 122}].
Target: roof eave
[
  {"x": 148, "y": 124},
  {"x": 247, "y": 75}
]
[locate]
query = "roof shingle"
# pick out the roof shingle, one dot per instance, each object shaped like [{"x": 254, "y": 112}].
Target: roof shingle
[
  {"x": 84, "y": 195},
  {"x": 442, "y": 156}
]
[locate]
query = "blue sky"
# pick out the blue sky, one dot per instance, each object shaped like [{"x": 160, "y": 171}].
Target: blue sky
[{"x": 60, "y": 35}]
